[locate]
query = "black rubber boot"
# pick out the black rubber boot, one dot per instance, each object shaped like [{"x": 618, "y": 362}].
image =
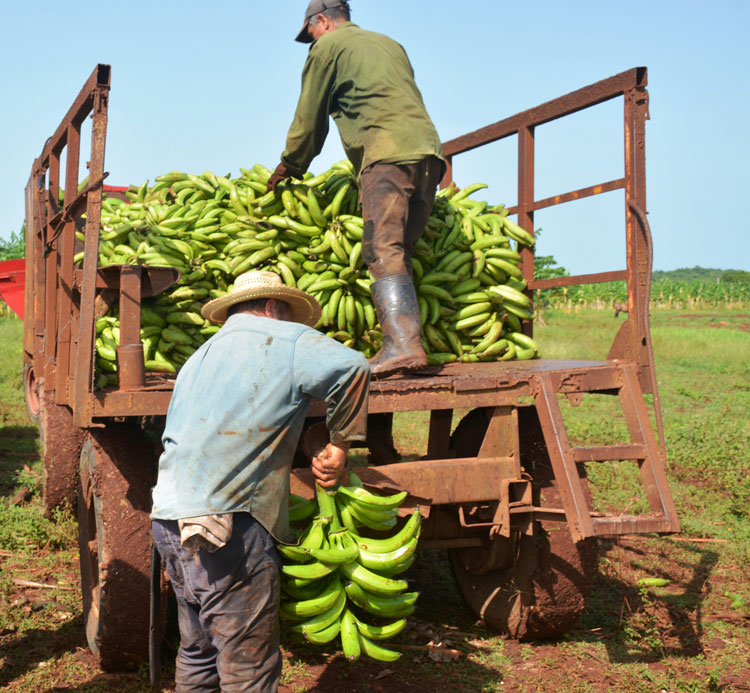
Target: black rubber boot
[{"x": 396, "y": 305}]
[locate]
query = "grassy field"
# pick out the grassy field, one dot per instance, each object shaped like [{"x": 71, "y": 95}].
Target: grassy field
[{"x": 691, "y": 635}]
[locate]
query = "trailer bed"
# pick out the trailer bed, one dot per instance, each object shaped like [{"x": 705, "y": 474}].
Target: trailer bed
[{"x": 452, "y": 386}]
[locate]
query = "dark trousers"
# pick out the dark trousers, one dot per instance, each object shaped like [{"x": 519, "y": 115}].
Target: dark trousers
[
  {"x": 396, "y": 204},
  {"x": 227, "y": 609}
]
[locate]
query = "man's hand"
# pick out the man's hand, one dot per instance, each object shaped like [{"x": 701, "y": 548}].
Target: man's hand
[
  {"x": 276, "y": 177},
  {"x": 330, "y": 463}
]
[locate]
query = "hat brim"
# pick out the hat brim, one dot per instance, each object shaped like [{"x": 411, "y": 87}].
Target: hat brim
[
  {"x": 304, "y": 34},
  {"x": 304, "y": 308}
]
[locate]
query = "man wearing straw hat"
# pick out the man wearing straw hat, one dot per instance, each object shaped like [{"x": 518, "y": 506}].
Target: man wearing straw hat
[
  {"x": 365, "y": 81},
  {"x": 221, "y": 496}
]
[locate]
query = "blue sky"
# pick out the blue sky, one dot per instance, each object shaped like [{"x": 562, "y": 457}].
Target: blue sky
[{"x": 199, "y": 85}]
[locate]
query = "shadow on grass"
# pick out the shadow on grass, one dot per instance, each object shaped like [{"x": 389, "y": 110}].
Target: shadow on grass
[
  {"x": 19, "y": 447},
  {"x": 326, "y": 671},
  {"x": 30, "y": 650},
  {"x": 640, "y": 624},
  {"x": 35, "y": 647}
]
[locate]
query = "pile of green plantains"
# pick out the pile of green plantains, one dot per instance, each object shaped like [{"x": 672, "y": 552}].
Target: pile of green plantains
[
  {"x": 213, "y": 228},
  {"x": 334, "y": 581}
]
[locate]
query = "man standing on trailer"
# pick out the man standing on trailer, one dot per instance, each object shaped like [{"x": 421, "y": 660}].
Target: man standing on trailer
[
  {"x": 366, "y": 83},
  {"x": 222, "y": 492}
]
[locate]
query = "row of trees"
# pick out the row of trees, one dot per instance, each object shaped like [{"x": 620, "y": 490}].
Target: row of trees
[{"x": 15, "y": 246}]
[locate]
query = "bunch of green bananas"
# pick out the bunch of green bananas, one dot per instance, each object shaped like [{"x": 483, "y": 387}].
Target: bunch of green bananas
[
  {"x": 333, "y": 574},
  {"x": 213, "y": 228}
]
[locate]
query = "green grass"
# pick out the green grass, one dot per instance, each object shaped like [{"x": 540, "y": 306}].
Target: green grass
[{"x": 687, "y": 636}]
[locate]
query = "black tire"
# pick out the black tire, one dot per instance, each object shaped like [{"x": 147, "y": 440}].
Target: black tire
[
  {"x": 535, "y": 586},
  {"x": 117, "y": 471}
]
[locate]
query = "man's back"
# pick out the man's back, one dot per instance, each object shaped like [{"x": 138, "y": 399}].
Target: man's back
[
  {"x": 366, "y": 82},
  {"x": 236, "y": 414}
]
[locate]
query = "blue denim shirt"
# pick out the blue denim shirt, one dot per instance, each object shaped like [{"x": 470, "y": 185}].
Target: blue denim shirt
[{"x": 237, "y": 412}]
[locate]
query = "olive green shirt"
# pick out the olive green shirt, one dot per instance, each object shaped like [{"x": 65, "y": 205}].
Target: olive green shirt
[{"x": 366, "y": 83}]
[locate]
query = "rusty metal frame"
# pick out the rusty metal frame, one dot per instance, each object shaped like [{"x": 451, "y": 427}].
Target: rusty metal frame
[
  {"x": 633, "y": 341},
  {"x": 59, "y": 336},
  {"x": 60, "y": 333},
  {"x": 501, "y": 388}
]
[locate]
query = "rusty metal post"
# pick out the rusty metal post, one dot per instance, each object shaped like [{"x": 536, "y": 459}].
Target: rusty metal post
[
  {"x": 51, "y": 264},
  {"x": 84, "y": 378},
  {"x": 30, "y": 279},
  {"x": 40, "y": 270},
  {"x": 66, "y": 250},
  {"x": 130, "y": 365},
  {"x": 635, "y": 106},
  {"x": 526, "y": 206},
  {"x": 448, "y": 177}
]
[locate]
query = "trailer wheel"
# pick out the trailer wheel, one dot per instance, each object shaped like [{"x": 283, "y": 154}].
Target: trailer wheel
[
  {"x": 61, "y": 442},
  {"x": 31, "y": 392},
  {"x": 532, "y": 587},
  {"x": 117, "y": 471}
]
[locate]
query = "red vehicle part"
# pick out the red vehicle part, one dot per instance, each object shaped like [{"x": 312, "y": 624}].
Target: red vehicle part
[
  {"x": 13, "y": 272},
  {"x": 12, "y": 276}
]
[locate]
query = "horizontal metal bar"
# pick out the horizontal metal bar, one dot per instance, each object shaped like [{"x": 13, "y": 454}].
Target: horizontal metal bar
[
  {"x": 598, "y": 278},
  {"x": 591, "y": 95},
  {"x": 436, "y": 482},
  {"x": 579, "y": 194},
  {"x": 609, "y": 453},
  {"x": 631, "y": 524},
  {"x": 155, "y": 279},
  {"x": 153, "y": 402},
  {"x": 455, "y": 386}
]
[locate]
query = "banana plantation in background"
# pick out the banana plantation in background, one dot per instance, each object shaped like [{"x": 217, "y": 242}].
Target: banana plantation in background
[
  {"x": 684, "y": 289},
  {"x": 665, "y": 293}
]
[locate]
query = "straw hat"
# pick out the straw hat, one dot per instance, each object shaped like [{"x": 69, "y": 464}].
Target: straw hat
[{"x": 251, "y": 285}]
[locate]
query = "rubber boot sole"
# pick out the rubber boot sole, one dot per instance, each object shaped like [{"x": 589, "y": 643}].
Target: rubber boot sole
[{"x": 396, "y": 364}]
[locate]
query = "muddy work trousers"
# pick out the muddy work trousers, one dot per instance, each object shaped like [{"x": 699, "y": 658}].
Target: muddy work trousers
[
  {"x": 227, "y": 609},
  {"x": 396, "y": 204}
]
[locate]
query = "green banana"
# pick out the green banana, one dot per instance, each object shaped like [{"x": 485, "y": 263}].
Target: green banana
[
  {"x": 350, "y": 641},
  {"x": 302, "y": 510},
  {"x": 387, "y": 561},
  {"x": 517, "y": 233},
  {"x": 307, "y": 608},
  {"x": 322, "y": 637},
  {"x": 371, "y": 581},
  {"x": 324, "y": 619},
  {"x": 307, "y": 571},
  {"x": 376, "y": 651},
  {"x": 376, "y": 519},
  {"x": 388, "y": 607},
  {"x": 344, "y": 549},
  {"x": 363, "y": 496},
  {"x": 384, "y": 632},
  {"x": 306, "y": 591},
  {"x": 399, "y": 567}
]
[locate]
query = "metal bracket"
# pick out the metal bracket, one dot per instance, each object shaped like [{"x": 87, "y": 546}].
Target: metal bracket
[{"x": 514, "y": 494}]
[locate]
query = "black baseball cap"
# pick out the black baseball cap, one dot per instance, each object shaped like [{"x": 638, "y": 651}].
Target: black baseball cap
[{"x": 316, "y": 7}]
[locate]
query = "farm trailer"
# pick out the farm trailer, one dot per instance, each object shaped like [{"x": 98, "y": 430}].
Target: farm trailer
[{"x": 505, "y": 493}]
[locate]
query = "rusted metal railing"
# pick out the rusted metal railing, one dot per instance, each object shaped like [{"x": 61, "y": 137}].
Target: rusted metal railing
[
  {"x": 61, "y": 343},
  {"x": 633, "y": 340}
]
